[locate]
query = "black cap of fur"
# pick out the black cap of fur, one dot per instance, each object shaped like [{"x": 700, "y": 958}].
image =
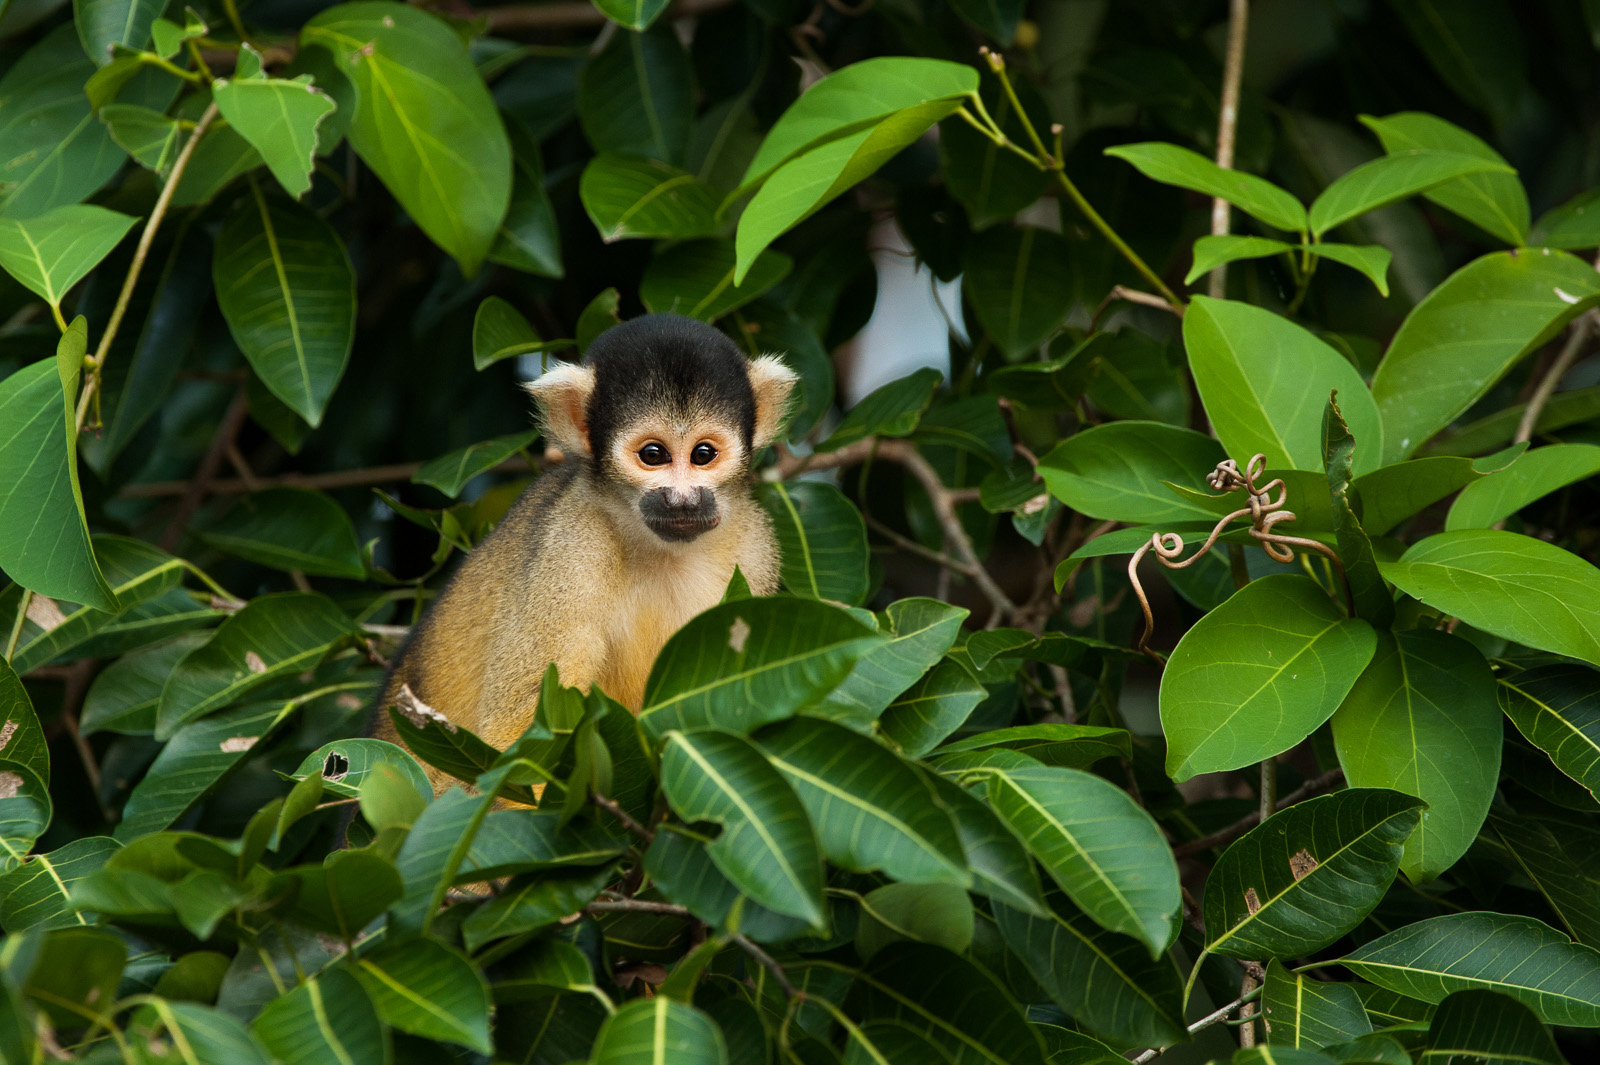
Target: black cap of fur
[{"x": 666, "y": 363}]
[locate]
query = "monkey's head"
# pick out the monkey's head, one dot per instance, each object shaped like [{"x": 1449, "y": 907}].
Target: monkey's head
[{"x": 667, "y": 413}]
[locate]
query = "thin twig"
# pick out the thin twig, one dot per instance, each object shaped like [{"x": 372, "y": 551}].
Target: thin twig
[
  {"x": 612, "y": 807},
  {"x": 358, "y": 478},
  {"x": 746, "y": 944},
  {"x": 157, "y": 213},
  {"x": 1228, "y": 127},
  {"x": 1203, "y": 1023},
  {"x": 1582, "y": 328},
  {"x": 199, "y": 485},
  {"x": 664, "y": 909},
  {"x": 1315, "y": 786},
  {"x": 79, "y": 674}
]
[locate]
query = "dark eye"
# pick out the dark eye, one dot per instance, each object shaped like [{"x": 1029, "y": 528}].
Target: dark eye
[
  {"x": 654, "y": 455},
  {"x": 702, "y": 454}
]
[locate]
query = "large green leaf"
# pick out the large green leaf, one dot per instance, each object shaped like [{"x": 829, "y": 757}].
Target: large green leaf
[
  {"x": 861, "y": 94},
  {"x": 767, "y": 846},
  {"x": 1557, "y": 708},
  {"x": 748, "y": 663},
  {"x": 288, "y": 291},
  {"x": 291, "y": 529},
  {"x": 1116, "y": 471},
  {"x": 634, "y": 196},
  {"x": 46, "y": 546},
  {"x": 104, "y": 23},
  {"x": 920, "y": 632},
  {"x": 326, "y": 1019},
  {"x": 1018, "y": 280},
  {"x": 636, "y": 96},
  {"x": 272, "y": 637},
  {"x": 38, "y": 893},
  {"x": 339, "y": 896},
  {"x": 278, "y": 116},
  {"x": 695, "y": 278},
  {"x": 1508, "y": 584},
  {"x": 1265, "y": 383},
  {"x": 822, "y": 538},
  {"x": 1468, "y": 332},
  {"x": 1392, "y": 177},
  {"x": 53, "y": 151},
  {"x": 1302, "y": 1011},
  {"x": 1001, "y": 867},
  {"x": 423, "y": 987},
  {"x": 1308, "y": 874},
  {"x": 658, "y": 1030},
  {"x": 1485, "y": 1027},
  {"x": 1172, "y": 165},
  {"x": 1098, "y": 844},
  {"x": 802, "y": 186},
  {"x": 1532, "y": 476},
  {"x": 124, "y": 695},
  {"x": 679, "y": 865},
  {"x": 1256, "y": 675},
  {"x": 426, "y": 124},
  {"x": 871, "y": 810},
  {"x": 1517, "y": 956},
  {"x": 51, "y": 252},
  {"x": 940, "y": 914},
  {"x": 1496, "y": 202},
  {"x": 1423, "y": 720}
]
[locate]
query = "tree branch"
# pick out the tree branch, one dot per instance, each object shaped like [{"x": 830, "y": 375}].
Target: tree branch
[
  {"x": 612, "y": 807},
  {"x": 1582, "y": 329},
  {"x": 1316, "y": 786},
  {"x": 1216, "y": 1017},
  {"x": 1228, "y": 127}
]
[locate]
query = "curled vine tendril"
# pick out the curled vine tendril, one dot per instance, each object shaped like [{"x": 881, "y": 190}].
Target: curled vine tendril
[{"x": 1263, "y": 511}]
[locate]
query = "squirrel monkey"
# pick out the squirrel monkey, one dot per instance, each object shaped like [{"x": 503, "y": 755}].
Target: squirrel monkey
[{"x": 608, "y": 554}]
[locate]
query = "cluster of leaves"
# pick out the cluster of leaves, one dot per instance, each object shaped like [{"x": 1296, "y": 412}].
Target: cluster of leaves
[{"x": 855, "y": 822}]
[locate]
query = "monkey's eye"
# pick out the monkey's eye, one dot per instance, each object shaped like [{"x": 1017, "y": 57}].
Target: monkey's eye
[
  {"x": 654, "y": 455},
  {"x": 702, "y": 454}
]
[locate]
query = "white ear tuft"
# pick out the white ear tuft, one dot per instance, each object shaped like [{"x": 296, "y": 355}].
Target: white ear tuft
[
  {"x": 563, "y": 393},
  {"x": 772, "y": 382}
]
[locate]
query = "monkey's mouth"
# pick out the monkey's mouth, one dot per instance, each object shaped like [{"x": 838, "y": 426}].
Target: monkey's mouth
[{"x": 682, "y": 528}]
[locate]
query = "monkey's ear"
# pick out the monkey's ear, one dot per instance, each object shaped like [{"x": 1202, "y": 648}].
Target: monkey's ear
[
  {"x": 771, "y": 381},
  {"x": 563, "y": 392}
]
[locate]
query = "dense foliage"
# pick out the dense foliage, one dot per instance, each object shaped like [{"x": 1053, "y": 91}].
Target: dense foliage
[{"x": 1325, "y": 768}]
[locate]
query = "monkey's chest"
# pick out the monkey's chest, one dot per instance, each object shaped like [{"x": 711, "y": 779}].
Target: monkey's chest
[{"x": 660, "y": 604}]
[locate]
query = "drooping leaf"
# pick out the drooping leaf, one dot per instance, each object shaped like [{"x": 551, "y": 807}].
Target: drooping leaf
[
  {"x": 1557, "y": 707},
  {"x": 1300, "y": 1011},
  {"x": 1511, "y": 585},
  {"x": 288, "y": 292},
  {"x": 1495, "y": 202},
  {"x": 1423, "y": 720},
  {"x": 1532, "y": 476},
  {"x": 636, "y": 196},
  {"x": 678, "y": 863},
  {"x": 940, "y": 914},
  {"x": 1557, "y": 862},
  {"x": 1371, "y": 260},
  {"x": 1468, "y": 332},
  {"x": 695, "y": 278},
  {"x": 1115, "y": 471},
  {"x": 1172, "y": 165},
  {"x": 1390, "y": 178},
  {"x": 426, "y": 123},
  {"x": 1308, "y": 874},
  {"x": 51, "y": 252},
  {"x": 930, "y": 710},
  {"x": 529, "y": 238},
  {"x": 423, "y": 987},
  {"x": 1001, "y": 867},
  {"x": 822, "y": 540},
  {"x": 1256, "y": 675},
  {"x": 450, "y": 473},
  {"x": 292, "y": 529}
]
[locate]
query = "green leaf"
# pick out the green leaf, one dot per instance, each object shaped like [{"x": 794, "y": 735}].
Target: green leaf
[
  {"x": 1372, "y": 260},
  {"x": 632, "y": 14},
  {"x": 1534, "y": 475},
  {"x": 1393, "y": 177},
  {"x": 635, "y": 97},
  {"x": 25, "y": 810},
  {"x": 997, "y": 18},
  {"x": 288, "y": 292},
  {"x": 1508, "y": 584},
  {"x": 290, "y": 529},
  {"x": 1214, "y": 251},
  {"x": 679, "y": 865},
  {"x": 1468, "y": 332},
  {"x": 423, "y": 987},
  {"x": 696, "y": 279},
  {"x": 931, "y": 709},
  {"x": 1117, "y": 471},
  {"x": 123, "y": 696},
  {"x": 1557, "y": 707},
  {"x": 388, "y": 799},
  {"x": 529, "y": 239},
  {"x": 278, "y": 116},
  {"x": 344, "y": 764},
  {"x": 37, "y": 894},
  {"x": 1265, "y": 383},
  {"x": 597, "y": 317},
  {"x": 221, "y": 157},
  {"x": 940, "y": 914},
  {"x": 632, "y": 196},
  {"x": 872, "y": 811},
  {"x": 822, "y": 540},
  {"x": 748, "y": 663},
  {"x": 1001, "y": 867},
  {"x": 1391, "y": 494},
  {"x": 1098, "y": 844},
  {"x": 450, "y": 473},
  {"x": 1516, "y": 956},
  {"x": 146, "y": 134},
  {"x": 1423, "y": 720},
  {"x": 893, "y": 409},
  {"x": 21, "y": 737},
  {"x": 535, "y": 901},
  {"x": 1256, "y": 675},
  {"x": 499, "y": 331},
  {"x": 52, "y": 150},
  {"x": 1300, "y": 1011},
  {"x": 1172, "y": 165},
  {"x": 802, "y": 186},
  {"x": 104, "y": 23},
  {"x": 1574, "y": 225},
  {"x": 859, "y": 95},
  {"x": 168, "y": 37},
  {"x": 1308, "y": 874},
  {"x": 1052, "y": 743},
  {"x": 656, "y": 1030},
  {"x": 1371, "y": 597},
  {"x": 1016, "y": 279},
  {"x": 341, "y": 896},
  {"x": 1495, "y": 1029},
  {"x": 920, "y": 632},
  {"x": 426, "y": 123},
  {"x": 46, "y": 547},
  {"x": 1559, "y": 866},
  {"x": 272, "y": 637},
  {"x": 1495, "y": 202},
  {"x": 947, "y": 1000},
  {"x": 51, "y": 252},
  {"x": 327, "y": 1018},
  {"x": 767, "y": 846},
  {"x": 551, "y": 965}
]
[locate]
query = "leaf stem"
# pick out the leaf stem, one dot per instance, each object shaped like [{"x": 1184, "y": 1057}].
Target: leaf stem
[
  {"x": 16, "y": 626},
  {"x": 97, "y": 363},
  {"x": 1194, "y": 974},
  {"x": 1582, "y": 329}
]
